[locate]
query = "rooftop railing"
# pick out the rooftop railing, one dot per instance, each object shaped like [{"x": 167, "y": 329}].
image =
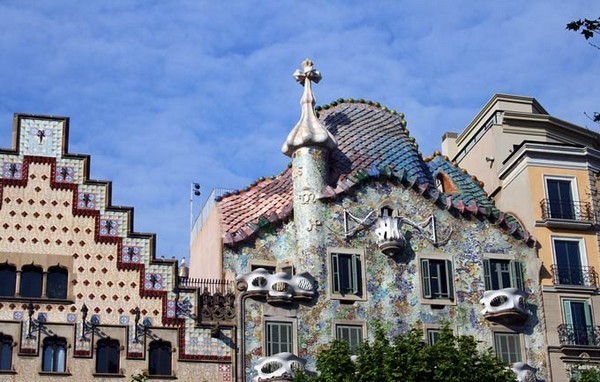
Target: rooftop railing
[{"x": 211, "y": 285}]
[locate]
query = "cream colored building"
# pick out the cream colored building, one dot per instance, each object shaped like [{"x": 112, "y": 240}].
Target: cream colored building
[
  {"x": 545, "y": 171},
  {"x": 83, "y": 296}
]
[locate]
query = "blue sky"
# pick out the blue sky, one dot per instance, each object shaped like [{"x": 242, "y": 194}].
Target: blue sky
[{"x": 165, "y": 93}]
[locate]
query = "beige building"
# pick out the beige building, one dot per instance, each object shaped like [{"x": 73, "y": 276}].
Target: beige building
[
  {"x": 545, "y": 171},
  {"x": 82, "y": 295}
]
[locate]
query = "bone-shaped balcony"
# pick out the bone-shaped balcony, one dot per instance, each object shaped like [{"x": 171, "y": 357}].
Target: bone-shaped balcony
[
  {"x": 389, "y": 235},
  {"x": 524, "y": 372},
  {"x": 280, "y": 365},
  {"x": 508, "y": 305},
  {"x": 277, "y": 287}
]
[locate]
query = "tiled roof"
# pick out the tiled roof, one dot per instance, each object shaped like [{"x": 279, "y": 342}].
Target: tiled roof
[{"x": 372, "y": 142}]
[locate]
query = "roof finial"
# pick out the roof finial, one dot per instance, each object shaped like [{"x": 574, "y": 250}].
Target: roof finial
[{"x": 309, "y": 131}]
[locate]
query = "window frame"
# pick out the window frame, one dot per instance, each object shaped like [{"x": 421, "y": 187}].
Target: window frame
[
  {"x": 582, "y": 254},
  {"x": 7, "y": 266},
  {"x": 57, "y": 269},
  {"x": 32, "y": 268},
  {"x": 515, "y": 270},
  {"x": 574, "y": 192},
  {"x": 151, "y": 346},
  {"x": 361, "y": 279},
  {"x": 57, "y": 343},
  {"x": 359, "y": 325},
  {"x": 291, "y": 322},
  {"x": 108, "y": 344},
  {"x": 6, "y": 342},
  {"x": 449, "y": 266},
  {"x": 519, "y": 344}
]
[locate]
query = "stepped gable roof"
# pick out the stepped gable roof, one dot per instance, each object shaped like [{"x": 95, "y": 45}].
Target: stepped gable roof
[{"x": 372, "y": 142}]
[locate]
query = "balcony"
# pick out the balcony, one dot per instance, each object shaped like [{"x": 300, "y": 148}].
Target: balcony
[
  {"x": 566, "y": 214},
  {"x": 505, "y": 306},
  {"x": 574, "y": 335},
  {"x": 578, "y": 277}
]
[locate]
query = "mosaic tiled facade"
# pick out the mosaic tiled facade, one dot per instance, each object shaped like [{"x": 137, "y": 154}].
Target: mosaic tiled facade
[
  {"x": 380, "y": 235},
  {"x": 99, "y": 281}
]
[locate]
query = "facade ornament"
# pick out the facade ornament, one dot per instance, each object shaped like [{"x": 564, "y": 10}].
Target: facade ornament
[
  {"x": 390, "y": 236},
  {"x": 278, "y": 287},
  {"x": 309, "y": 131},
  {"x": 280, "y": 365},
  {"x": 508, "y": 305}
]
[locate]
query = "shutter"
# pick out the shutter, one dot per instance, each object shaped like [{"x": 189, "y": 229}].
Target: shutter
[
  {"x": 449, "y": 279},
  {"x": 567, "y": 312},
  {"x": 516, "y": 275},
  {"x": 425, "y": 279},
  {"x": 335, "y": 265},
  {"x": 355, "y": 265},
  {"x": 588, "y": 314},
  {"x": 487, "y": 274}
]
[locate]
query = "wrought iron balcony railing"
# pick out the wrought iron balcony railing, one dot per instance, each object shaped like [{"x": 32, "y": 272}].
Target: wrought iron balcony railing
[
  {"x": 567, "y": 210},
  {"x": 579, "y": 335},
  {"x": 582, "y": 276}
]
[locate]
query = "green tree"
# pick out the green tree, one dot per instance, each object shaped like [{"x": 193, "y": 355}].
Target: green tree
[
  {"x": 583, "y": 374},
  {"x": 408, "y": 358},
  {"x": 588, "y": 28}
]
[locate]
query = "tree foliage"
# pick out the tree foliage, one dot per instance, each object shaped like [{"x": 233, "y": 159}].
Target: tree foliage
[
  {"x": 407, "y": 358},
  {"x": 583, "y": 374},
  {"x": 588, "y": 28}
]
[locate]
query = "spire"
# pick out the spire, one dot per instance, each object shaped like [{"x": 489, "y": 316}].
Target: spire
[{"x": 309, "y": 131}]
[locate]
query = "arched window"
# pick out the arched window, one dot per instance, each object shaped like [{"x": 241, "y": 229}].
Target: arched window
[
  {"x": 56, "y": 283},
  {"x": 8, "y": 275},
  {"x": 386, "y": 211},
  {"x": 31, "y": 281},
  {"x": 107, "y": 356},
  {"x": 159, "y": 361},
  {"x": 6, "y": 346},
  {"x": 445, "y": 184},
  {"x": 54, "y": 354}
]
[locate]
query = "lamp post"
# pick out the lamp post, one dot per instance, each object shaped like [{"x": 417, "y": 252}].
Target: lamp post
[{"x": 194, "y": 191}]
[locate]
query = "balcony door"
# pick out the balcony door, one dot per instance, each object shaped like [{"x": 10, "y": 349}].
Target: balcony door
[
  {"x": 569, "y": 267},
  {"x": 560, "y": 199},
  {"x": 578, "y": 318}
]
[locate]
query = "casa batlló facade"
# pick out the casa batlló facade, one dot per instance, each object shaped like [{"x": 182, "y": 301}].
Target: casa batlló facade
[{"x": 361, "y": 230}]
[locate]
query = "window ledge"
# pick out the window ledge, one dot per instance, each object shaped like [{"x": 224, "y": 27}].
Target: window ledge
[
  {"x": 437, "y": 301},
  {"x": 349, "y": 298},
  {"x": 570, "y": 288},
  {"x": 40, "y": 300},
  {"x": 565, "y": 223},
  {"x": 8, "y": 372},
  {"x": 56, "y": 373},
  {"x": 160, "y": 376},
  {"x": 109, "y": 375}
]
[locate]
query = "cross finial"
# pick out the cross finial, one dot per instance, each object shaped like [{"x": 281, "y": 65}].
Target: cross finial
[
  {"x": 308, "y": 72},
  {"x": 309, "y": 131}
]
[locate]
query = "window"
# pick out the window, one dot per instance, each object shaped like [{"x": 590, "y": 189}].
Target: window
[
  {"x": 500, "y": 274},
  {"x": 271, "y": 269},
  {"x": 579, "y": 324},
  {"x": 278, "y": 338},
  {"x": 353, "y": 334},
  {"x": 508, "y": 347},
  {"x": 8, "y": 275},
  {"x": 346, "y": 273},
  {"x": 436, "y": 277},
  {"x": 560, "y": 198},
  {"x": 31, "y": 281},
  {"x": 54, "y": 354},
  {"x": 569, "y": 267},
  {"x": 6, "y": 346},
  {"x": 159, "y": 361},
  {"x": 433, "y": 335},
  {"x": 56, "y": 283},
  {"x": 107, "y": 356}
]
